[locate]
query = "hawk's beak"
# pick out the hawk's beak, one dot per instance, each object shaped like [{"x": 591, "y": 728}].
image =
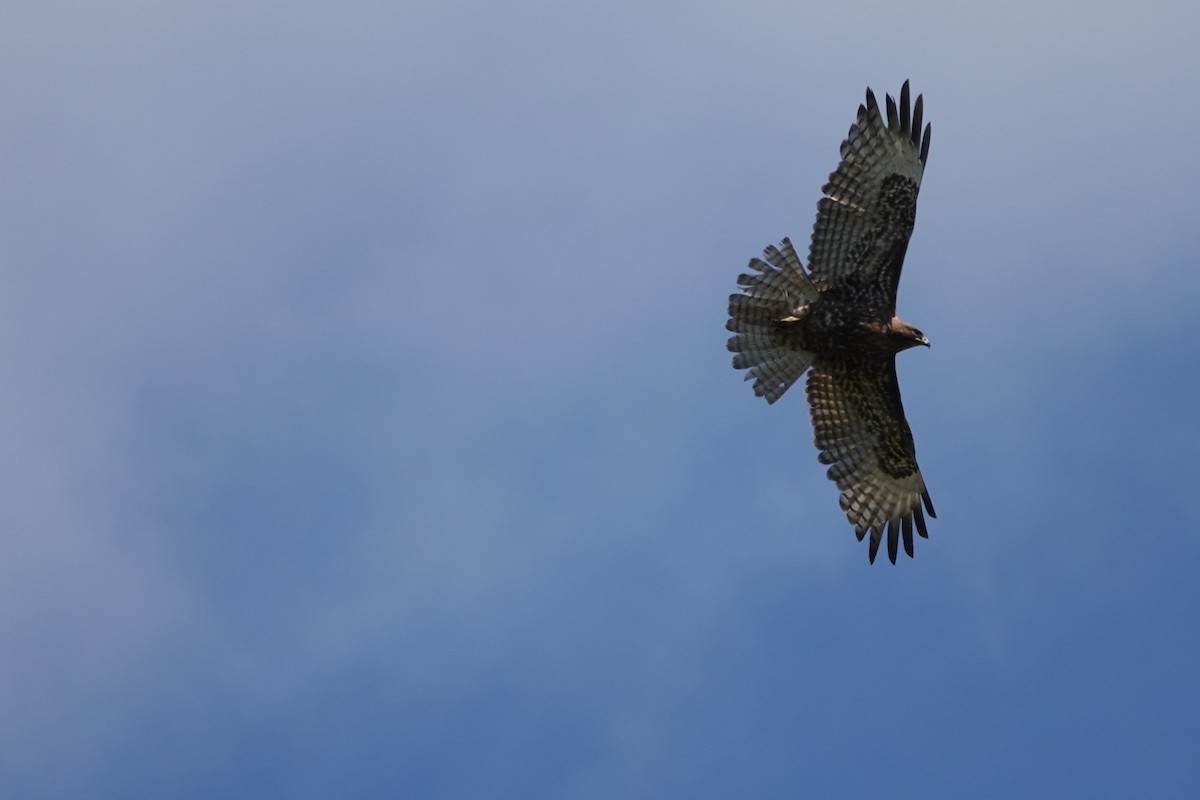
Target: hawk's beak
[{"x": 924, "y": 340}]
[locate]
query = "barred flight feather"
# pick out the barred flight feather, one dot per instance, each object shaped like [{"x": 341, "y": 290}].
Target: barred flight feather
[{"x": 836, "y": 320}]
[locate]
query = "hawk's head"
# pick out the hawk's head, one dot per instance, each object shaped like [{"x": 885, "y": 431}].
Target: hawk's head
[{"x": 904, "y": 335}]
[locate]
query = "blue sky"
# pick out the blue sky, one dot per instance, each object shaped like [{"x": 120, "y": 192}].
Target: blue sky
[{"x": 367, "y": 426}]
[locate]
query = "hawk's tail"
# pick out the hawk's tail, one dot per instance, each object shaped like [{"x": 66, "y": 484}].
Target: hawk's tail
[{"x": 776, "y": 291}]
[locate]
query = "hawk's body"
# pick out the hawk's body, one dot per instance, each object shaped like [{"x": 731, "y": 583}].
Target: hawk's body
[{"x": 839, "y": 319}]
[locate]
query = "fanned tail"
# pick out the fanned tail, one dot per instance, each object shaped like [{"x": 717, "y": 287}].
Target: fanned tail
[{"x": 776, "y": 291}]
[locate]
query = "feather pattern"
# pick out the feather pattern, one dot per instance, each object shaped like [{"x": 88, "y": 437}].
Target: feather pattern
[
  {"x": 868, "y": 210},
  {"x": 775, "y": 289},
  {"x": 837, "y": 321},
  {"x": 860, "y": 430}
]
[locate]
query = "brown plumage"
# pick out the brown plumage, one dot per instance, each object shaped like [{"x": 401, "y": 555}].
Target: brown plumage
[{"x": 838, "y": 321}]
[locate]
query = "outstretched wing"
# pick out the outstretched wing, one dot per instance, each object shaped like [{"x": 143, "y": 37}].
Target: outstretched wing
[
  {"x": 866, "y": 217},
  {"x": 859, "y": 427}
]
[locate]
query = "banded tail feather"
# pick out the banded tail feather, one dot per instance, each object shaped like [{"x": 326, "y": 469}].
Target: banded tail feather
[{"x": 775, "y": 291}]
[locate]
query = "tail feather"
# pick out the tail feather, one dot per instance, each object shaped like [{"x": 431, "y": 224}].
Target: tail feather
[
  {"x": 779, "y": 279},
  {"x": 777, "y": 290},
  {"x": 750, "y": 315},
  {"x": 775, "y": 375}
]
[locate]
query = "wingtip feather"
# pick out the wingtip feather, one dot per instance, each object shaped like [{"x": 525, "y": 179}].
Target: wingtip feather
[
  {"x": 871, "y": 111},
  {"x": 918, "y": 116},
  {"x": 919, "y": 518},
  {"x": 893, "y": 120}
]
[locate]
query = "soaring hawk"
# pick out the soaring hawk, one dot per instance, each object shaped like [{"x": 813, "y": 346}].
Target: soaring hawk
[{"x": 838, "y": 321}]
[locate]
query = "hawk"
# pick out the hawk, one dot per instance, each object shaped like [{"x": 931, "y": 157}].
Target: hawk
[{"x": 838, "y": 321}]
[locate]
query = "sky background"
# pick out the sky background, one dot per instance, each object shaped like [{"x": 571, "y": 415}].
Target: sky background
[{"x": 367, "y": 429}]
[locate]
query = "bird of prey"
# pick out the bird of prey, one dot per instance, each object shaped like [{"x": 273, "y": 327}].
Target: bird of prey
[{"x": 838, "y": 321}]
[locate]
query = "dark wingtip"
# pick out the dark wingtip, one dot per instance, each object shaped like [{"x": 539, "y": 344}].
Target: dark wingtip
[
  {"x": 928, "y": 503},
  {"x": 925, "y": 144},
  {"x": 920, "y": 522},
  {"x": 917, "y": 116},
  {"x": 871, "y": 109},
  {"x": 892, "y": 116},
  {"x": 905, "y": 108},
  {"x": 908, "y": 537},
  {"x": 874, "y": 547},
  {"x": 893, "y": 540}
]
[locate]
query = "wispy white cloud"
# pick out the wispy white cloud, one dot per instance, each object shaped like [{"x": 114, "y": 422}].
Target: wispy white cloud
[{"x": 366, "y": 396}]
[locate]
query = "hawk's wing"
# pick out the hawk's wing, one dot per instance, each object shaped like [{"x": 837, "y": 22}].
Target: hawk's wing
[
  {"x": 859, "y": 427},
  {"x": 866, "y": 217}
]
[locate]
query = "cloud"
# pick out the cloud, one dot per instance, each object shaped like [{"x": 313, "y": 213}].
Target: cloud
[{"x": 368, "y": 421}]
